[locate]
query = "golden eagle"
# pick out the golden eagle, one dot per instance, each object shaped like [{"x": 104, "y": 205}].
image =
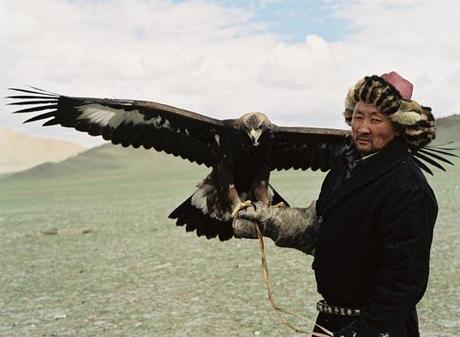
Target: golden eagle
[{"x": 241, "y": 152}]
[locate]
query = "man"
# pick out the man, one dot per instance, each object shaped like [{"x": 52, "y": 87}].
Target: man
[{"x": 371, "y": 228}]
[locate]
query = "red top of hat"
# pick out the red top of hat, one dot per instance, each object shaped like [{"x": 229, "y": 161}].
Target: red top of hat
[{"x": 404, "y": 87}]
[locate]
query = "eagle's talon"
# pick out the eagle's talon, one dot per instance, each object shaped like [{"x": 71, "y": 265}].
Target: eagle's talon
[{"x": 242, "y": 205}]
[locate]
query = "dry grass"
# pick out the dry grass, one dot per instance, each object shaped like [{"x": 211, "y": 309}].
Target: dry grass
[{"x": 118, "y": 267}]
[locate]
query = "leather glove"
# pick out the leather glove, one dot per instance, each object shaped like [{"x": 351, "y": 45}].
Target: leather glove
[{"x": 296, "y": 228}]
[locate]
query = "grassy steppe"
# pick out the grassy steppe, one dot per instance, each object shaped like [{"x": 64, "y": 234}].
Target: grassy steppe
[{"x": 119, "y": 267}]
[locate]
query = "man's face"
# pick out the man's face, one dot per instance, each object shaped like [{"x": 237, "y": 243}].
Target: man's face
[{"x": 372, "y": 130}]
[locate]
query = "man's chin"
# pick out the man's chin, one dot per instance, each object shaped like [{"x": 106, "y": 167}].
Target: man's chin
[{"x": 364, "y": 149}]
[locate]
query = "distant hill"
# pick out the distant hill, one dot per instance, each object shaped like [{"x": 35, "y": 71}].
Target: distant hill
[
  {"x": 112, "y": 161},
  {"x": 448, "y": 129},
  {"x": 20, "y": 151}
]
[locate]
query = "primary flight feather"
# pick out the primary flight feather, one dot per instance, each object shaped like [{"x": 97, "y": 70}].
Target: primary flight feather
[{"x": 241, "y": 152}]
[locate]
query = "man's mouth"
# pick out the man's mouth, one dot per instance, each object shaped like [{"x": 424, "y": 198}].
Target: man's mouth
[{"x": 363, "y": 140}]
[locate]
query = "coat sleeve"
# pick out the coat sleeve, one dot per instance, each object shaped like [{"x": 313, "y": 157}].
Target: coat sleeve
[{"x": 405, "y": 235}]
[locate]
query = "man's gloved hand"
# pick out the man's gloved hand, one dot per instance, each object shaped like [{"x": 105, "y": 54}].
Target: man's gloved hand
[{"x": 288, "y": 227}]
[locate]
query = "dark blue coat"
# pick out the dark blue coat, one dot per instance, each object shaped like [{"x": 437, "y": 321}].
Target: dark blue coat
[{"x": 374, "y": 246}]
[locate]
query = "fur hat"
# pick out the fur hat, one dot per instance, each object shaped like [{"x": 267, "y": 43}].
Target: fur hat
[{"x": 391, "y": 94}]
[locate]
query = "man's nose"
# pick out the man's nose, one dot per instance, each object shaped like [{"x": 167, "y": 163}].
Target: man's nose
[{"x": 363, "y": 127}]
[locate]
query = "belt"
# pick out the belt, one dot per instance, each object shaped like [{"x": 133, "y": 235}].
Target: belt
[{"x": 325, "y": 308}]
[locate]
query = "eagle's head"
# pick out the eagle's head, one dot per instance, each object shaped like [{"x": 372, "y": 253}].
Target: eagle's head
[{"x": 255, "y": 124}]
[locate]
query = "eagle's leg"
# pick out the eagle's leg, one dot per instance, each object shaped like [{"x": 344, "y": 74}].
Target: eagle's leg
[
  {"x": 260, "y": 187},
  {"x": 261, "y": 193},
  {"x": 236, "y": 201},
  {"x": 259, "y": 190}
]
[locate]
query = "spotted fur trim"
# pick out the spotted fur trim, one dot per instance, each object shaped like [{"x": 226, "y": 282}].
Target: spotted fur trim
[{"x": 416, "y": 121}]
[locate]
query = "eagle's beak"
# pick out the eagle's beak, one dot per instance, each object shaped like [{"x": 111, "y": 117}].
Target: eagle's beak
[{"x": 254, "y": 135}]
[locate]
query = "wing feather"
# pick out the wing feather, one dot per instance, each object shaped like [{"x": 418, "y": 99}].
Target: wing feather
[
  {"x": 36, "y": 91},
  {"x": 37, "y": 108},
  {"x": 319, "y": 148},
  {"x": 40, "y": 117},
  {"x": 128, "y": 122},
  {"x": 307, "y": 148},
  {"x": 434, "y": 155},
  {"x": 422, "y": 165},
  {"x": 29, "y": 102}
]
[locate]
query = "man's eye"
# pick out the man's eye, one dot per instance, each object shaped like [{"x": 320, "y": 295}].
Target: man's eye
[
  {"x": 376, "y": 120},
  {"x": 358, "y": 117}
]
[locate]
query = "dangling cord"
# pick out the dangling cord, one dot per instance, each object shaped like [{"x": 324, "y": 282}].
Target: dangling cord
[{"x": 280, "y": 311}]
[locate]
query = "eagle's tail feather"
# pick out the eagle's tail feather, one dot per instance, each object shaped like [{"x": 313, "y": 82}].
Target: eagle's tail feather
[
  {"x": 204, "y": 225},
  {"x": 201, "y": 212}
]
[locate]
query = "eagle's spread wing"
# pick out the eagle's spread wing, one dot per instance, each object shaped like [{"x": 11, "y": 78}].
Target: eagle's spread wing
[
  {"x": 307, "y": 148},
  {"x": 434, "y": 155},
  {"x": 319, "y": 148},
  {"x": 129, "y": 122}
]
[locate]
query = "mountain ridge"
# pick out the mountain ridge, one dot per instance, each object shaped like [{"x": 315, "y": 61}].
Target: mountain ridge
[{"x": 21, "y": 151}]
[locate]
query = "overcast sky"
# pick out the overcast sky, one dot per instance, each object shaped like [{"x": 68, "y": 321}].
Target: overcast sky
[{"x": 293, "y": 60}]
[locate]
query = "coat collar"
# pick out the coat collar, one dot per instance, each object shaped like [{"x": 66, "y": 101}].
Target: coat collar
[{"x": 370, "y": 169}]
